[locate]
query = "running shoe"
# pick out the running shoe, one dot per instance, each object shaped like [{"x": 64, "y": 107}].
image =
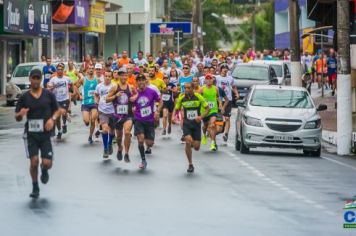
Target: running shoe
[
  {"x": 110, "y": 150},
  {"x": 213, "y": 147},
  {"x": 204, "y": 140},
  {"x": 97, "y": 134},
  {"x": 143, "y": 165},
  {"x": 127, "y": 158},
  {"x": 106, "y": 153},
  {"x": 148, "y": 151},
  {"x": 190, "y": 169},
  {"x": 225, "y": 137},
  {"x": 59, "y": 135},
  {"x": 64, "y": 128},
  {"x": 35, "y": 193},
  {"x": 44, "y": 175},
  {"x": 164, "y": 132},
  {"x": 90, "y": 140},
  {"x": 119, "y": 155},
  {"x": 169, "y": 129}
]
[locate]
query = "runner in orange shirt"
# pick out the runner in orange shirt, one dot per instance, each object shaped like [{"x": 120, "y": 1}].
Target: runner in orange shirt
[
  {"x": 322, "y": 69},
  {"x": 131, "y": 78},
  {"x": 159, "y": 73},
  {"x": 124, "y": 60}
]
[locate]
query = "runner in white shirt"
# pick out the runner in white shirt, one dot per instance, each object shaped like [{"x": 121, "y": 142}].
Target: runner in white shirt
[
  {"x": 140, "y": 61},
  {"x": 226, "y": 82},
  {"x": 59, "y": 85},
  {"x": 99, "y": 72},
  {"x": 165, "y": 69},
  {"x": 106, "y": 109}
]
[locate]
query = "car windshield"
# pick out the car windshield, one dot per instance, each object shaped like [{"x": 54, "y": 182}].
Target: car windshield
[
  {"x": 250, "y": 73},
  {"x": 281, "y": 98},
  {"x": 278, "y": 70},
  {"x": 23, "y": 71}
]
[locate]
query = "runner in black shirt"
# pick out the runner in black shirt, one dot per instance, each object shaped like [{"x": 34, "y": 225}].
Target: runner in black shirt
[{"x": 41, "y": 109}]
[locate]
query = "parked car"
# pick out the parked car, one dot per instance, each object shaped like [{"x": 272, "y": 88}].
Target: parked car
[
  {"x": 279, "y": 116},
  {"x": 245, "y": 75},
  {"x": 282, "y": 69},
  {"x": 13, "y": 93},
  {"x": 21, "y": 73}
]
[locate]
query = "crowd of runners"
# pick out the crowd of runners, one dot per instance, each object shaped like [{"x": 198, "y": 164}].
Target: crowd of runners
[{"x": 122, "y": 97}]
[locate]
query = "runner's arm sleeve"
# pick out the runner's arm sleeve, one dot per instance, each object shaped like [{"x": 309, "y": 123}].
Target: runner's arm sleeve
[{"x": 179, "y": 103}]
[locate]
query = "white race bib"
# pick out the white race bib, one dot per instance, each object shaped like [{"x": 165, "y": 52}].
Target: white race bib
[
  {"x": 62, "y": 91},
  {"x": 47, "y": 76},
  {"x": 166, "y": 97},
  {"x": 122, "y": 109},
  {"x": 146, "y": 111},
  {"x": 191, "y": 115},
  {"x": 91, "y": 93},
  {"x": 211, "y": 105},
  {"x": 35, "y": 125}
]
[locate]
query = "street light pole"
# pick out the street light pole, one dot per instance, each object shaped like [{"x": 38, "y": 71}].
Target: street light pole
[
  {"x": 296, "y": 70},
  {"x": 344, "y": 101}
]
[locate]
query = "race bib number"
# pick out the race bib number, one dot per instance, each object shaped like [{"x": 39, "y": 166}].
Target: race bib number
[
  {"x": 146, "y": 111},
  {"x": 333, "y": 66},
  {"x": 191, "y": 115},
  {"x": 211, "y": 105},
  {"x": 47, "y": 76},
  {"x": 166, "y": 97},
  {"x": 122, "y": 109},
  {"x": 91, "y": 93},
  {"x": 35, "y": 125},
  {"x": 62, "y": 91}
]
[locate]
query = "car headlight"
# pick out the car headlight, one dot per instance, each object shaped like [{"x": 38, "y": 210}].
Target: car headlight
[
  {"x": 315, "y": 124},
  {"x": 253, "y": 121}
]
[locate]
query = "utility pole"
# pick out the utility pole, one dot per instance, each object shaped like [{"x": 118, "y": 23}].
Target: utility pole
[
  {"x": 296, "y": 69},
  {"x": 344, "y": 107},
  {"x": 253, "y": 23},
  {"x": 195, "y": 21}
]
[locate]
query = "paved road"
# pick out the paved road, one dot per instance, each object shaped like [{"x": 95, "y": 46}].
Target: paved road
[{"x": 264, "y": 193}]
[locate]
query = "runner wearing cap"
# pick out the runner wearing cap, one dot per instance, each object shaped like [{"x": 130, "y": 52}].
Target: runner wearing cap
[
  {"x": 59, "y": 85},
  {"x": 211, "y": 94},
  {"x": 99, "y": 72},
  {"x": 226, "y": 82},
  {"x": 168, "y": 104},
  {"x": 40, "y": 108},
  {"x": 120, "y": 96},
  {"x": 89, "y": 107},
  {"x": 144, "y": 115}
]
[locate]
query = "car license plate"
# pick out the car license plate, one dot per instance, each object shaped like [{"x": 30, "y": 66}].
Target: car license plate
[{"x": 283, "y": 138}]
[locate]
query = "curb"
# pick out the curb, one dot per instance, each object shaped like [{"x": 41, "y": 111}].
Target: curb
[{"x": 329, "y": 136}]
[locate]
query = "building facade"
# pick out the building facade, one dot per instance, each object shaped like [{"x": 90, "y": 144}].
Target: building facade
[
  {"x": 129, "y": 27},
  {"x": 282, "y": 29}
]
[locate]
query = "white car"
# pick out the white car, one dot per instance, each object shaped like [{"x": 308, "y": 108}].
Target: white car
[
  {"x": 279, "y": 116},
  {"x": 21, "y": 73},
  {"x": 282, "y": 69}
]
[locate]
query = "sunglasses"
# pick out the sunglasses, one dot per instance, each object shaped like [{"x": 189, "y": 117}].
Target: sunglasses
[{"x": 185, "y": 68}]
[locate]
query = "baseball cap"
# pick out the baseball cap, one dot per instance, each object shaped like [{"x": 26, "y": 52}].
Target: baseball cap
[
  {"x": 122, "y": 70},
  {"x": 36, "y": 73},
  {"x": 98, "y": 66},
  {"x": 209, "y": 76}
]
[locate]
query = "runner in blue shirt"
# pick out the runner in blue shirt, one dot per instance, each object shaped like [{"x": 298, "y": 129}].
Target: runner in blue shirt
[{"x": 48, "y": 70}]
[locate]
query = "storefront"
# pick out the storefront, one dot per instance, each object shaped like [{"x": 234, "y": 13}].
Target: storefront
[
  {"x": 24, "y": 25},
  {"x": 79, "y": 26}
]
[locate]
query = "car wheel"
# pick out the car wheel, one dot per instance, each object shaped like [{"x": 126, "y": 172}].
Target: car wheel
[
  {"x": 237, "y": 143},
  {"x": 243, "y": 148},
  {"x": 316, "y": 153},
  {"x": 10, "y": 103}
]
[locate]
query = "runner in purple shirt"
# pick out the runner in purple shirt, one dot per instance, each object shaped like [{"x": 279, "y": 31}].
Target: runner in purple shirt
[{"x": 144, "y": 115}]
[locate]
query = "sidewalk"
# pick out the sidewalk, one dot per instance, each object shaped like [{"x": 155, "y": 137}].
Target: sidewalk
[{"x": 328, "y": 117}]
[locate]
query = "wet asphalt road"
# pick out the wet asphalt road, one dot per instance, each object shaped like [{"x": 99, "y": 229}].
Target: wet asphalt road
[{"x": 263, "y": 193}]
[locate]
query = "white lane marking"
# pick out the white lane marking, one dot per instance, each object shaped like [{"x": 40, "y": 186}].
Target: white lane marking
[
  {"x": 281, "y": 186},
  {"x": 339, "y": 163}
]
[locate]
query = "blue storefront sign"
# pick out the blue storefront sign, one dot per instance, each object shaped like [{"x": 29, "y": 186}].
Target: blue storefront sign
[{"x": 168, "y": 28}]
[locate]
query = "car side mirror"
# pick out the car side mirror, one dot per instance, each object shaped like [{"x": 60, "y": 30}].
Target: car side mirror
[
  {"x": 240, "y": 103},
  {"x": 322, "y": 107},
  {"x": 274, "y": 81},
  {"x": 8, "y": 77}
]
